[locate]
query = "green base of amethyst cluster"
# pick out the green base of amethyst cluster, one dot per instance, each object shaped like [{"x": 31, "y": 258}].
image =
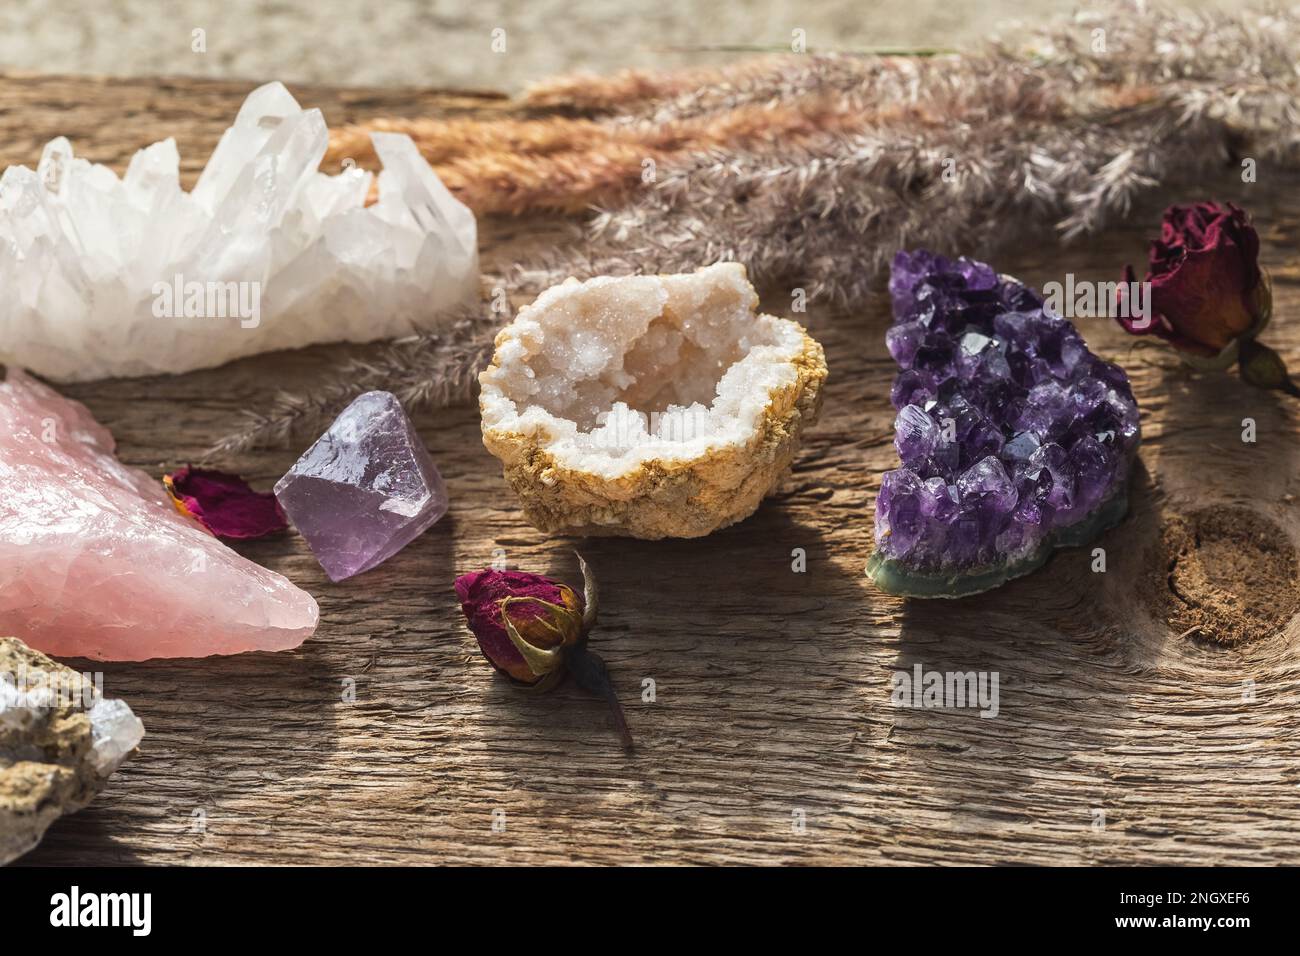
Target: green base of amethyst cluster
[{"x": 895, "y": 577}]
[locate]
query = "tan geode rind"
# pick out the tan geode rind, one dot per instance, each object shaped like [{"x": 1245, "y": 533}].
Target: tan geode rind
[
  {"x": 666, "y": 497},
  {"x": 54, "y": 773}
]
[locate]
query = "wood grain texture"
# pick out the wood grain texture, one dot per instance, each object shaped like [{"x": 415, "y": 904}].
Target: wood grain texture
[{"x": 772, "y": 687}]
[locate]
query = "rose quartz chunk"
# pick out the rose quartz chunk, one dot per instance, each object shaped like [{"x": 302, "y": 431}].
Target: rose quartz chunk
[{"x": 94, "y": 562}]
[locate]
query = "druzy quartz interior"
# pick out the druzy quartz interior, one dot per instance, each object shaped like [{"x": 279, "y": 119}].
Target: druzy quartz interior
[
  {"x": 366, "y": 489},
  {"x": 1014, "y": 438},
  {"x": 649, "y": 406}
]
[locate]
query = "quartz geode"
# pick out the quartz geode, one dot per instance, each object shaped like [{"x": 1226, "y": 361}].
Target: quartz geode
[
  {"x": 135, "y": 276},
  {"x": 60, "y": 741},
  {"x": 648, "y": 406},
  {"x": 1014, "y": 438}
]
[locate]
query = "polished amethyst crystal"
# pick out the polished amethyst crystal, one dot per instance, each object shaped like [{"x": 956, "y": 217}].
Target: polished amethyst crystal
[
  {"x": 1013, "y": 437},
  {"x": 365, "y": 490}
]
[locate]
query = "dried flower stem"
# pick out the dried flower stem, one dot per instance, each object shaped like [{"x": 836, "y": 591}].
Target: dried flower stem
[
  {"x": 593, "y": 93},
  {"x": 566, "y": 165},
  {"x": 814, "y": 170},
  {"x": 431, "y": 370}
]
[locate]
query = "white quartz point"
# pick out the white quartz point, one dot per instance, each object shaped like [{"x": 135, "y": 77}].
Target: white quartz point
[{"x": 112, "y": 277}]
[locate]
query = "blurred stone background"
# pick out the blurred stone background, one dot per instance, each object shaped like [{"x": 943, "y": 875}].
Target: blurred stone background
[{"x": 449, "y": 42}]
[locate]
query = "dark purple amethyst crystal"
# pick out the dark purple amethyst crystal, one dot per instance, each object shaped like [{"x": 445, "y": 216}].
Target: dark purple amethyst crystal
[{"x": 1008, "y": 428}]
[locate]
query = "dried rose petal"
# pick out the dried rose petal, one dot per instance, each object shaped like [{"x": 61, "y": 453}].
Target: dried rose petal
[{"x": 224, "y": 504}]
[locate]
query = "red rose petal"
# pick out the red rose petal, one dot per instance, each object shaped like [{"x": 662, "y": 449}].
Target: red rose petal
[{"x": 224, "y": 504}]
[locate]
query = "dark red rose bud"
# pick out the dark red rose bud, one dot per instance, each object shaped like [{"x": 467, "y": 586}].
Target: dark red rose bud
[
  {"x": 534, "y": 630},
  {"x": 1207, "y": 290},
  {"x": 544, "y": 615}
]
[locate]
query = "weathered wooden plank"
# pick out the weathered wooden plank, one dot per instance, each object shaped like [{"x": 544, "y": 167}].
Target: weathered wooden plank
[{"x": 772, "y": 687}]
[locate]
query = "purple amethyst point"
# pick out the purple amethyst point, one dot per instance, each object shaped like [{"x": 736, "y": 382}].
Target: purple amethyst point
[{"x": 365, "y": 490}]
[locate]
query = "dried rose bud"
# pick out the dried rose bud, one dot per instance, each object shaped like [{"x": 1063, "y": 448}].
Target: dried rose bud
[
  {"x": 534, "y": 630},
  {"x": 1207, "y": 289},
  {"x": 544, "y": 614},
  {"x": 1209, "y": 297}
]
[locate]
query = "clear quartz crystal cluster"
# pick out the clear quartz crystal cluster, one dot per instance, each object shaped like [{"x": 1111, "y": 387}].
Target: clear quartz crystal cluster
[
  {"x": 366, "y": 489},
  {"x": 95, "y": 562},
  {"x": 649, "y": 406},
  {"x": 1011, "y": 433},
  {"x": 60, "y": 740},
  {"x": 134, "y": 276}
]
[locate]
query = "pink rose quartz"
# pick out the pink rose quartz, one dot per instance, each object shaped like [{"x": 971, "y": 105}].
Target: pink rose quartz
[{"x": 95, "y": 562}]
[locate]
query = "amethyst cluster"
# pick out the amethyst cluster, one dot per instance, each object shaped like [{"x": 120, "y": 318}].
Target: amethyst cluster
[{"x": 1008, "y": 428}]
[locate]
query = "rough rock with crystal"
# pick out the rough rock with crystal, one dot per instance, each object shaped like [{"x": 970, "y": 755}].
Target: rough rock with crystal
[
  {"x": 1013, "y": 437},
  {"x": 649, "y": 406},
  {"x": 60, "y": 741},
  {"x": 94, "y": 561},
  {"x": 366, "y": 489},
  {"x": 134, "y": 276}
]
